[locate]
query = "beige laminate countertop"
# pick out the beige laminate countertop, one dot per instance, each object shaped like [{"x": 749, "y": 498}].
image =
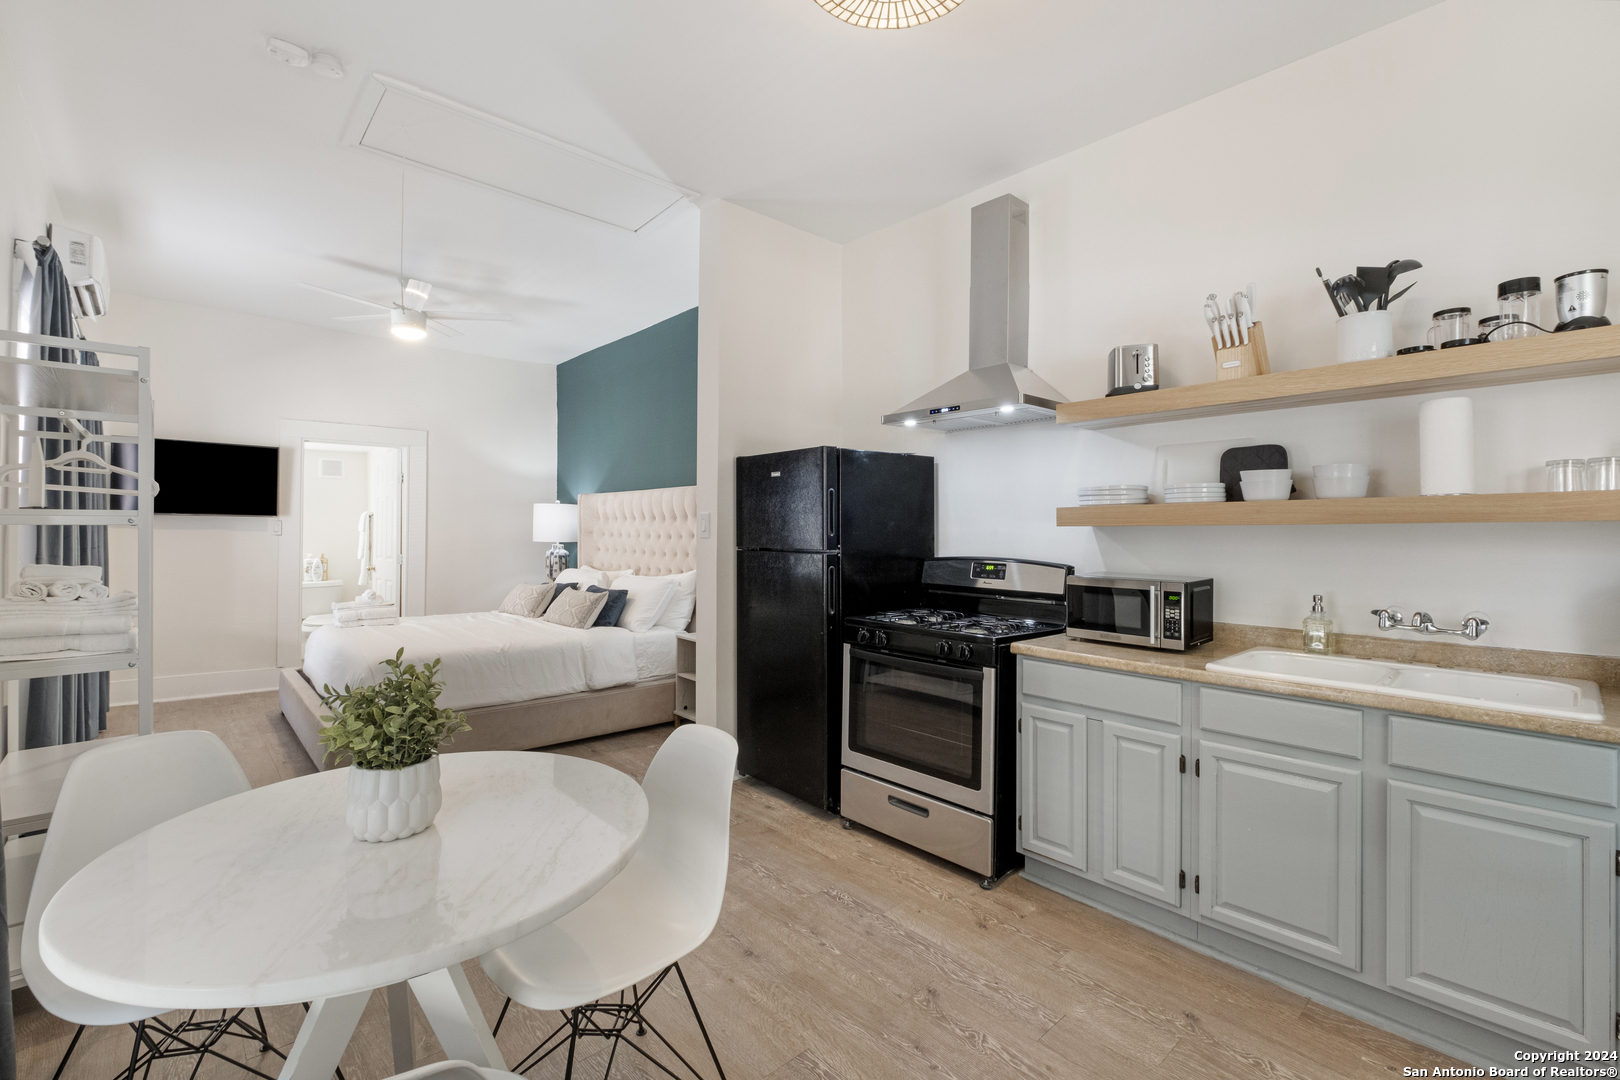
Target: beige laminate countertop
[{"x": 1231, "y": 639}]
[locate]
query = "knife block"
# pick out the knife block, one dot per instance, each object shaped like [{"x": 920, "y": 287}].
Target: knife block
[{"x": 1241, "y": 361}]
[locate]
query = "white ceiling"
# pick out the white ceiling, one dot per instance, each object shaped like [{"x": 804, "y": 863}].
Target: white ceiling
[{"x": 217, "y": 175}]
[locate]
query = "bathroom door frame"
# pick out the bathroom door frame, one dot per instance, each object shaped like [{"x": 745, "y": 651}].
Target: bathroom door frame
[{"x": 412, "y": 446}]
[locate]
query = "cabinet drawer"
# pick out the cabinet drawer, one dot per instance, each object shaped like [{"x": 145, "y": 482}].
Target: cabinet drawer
[
  {"x": 965, "y": 838},
  {"x": 1565, "y": 770},
  {"x": 1305, "y": 724},
  {"x": 1113, "y": 691}
]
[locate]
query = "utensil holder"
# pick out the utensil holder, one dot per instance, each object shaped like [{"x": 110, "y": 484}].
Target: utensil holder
[
  {"x": 1366, "y": 335},
  {"x": 1241, "y": 361}
]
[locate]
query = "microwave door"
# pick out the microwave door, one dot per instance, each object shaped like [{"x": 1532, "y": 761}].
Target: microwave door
[{"x": 1130, "y": 614}]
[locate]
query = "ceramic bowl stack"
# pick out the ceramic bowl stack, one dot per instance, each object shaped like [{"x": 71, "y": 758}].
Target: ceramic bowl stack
[
  {"x": 1114, "y": 495},
  {"x": 1214, "y": 491}
]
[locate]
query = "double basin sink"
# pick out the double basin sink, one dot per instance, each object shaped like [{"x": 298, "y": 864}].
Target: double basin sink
[{"x": 1566, "y": 699}]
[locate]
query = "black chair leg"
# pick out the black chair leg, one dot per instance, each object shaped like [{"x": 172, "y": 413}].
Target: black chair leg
[
  {"x": 679, "y": 974},
  {"x": 58, "y": 1074}
]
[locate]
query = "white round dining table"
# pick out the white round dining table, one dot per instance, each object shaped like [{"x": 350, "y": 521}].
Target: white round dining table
[{"x": 267, "y": 898}]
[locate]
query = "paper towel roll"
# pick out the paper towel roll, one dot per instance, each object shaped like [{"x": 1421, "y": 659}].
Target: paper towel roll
[{"x": 1446, "y": 446}]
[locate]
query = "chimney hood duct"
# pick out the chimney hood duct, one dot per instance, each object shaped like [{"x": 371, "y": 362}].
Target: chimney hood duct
[{"x": 998, "y": 388}]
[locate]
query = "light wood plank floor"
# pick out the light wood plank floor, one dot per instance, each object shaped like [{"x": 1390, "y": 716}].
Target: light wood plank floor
[{"x": 841, "y": 955}]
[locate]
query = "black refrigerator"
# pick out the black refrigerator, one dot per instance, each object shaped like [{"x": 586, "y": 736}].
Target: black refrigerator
[{"x": 821, "y": 533}]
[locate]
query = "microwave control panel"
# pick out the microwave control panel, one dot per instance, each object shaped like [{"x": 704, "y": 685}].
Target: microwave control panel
[{"x": 1172, "y": 616}]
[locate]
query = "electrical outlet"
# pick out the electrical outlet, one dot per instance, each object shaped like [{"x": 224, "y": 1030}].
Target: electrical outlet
[
  {"x": 703, "y": 526},
  {"x": 275, "y": 526}
]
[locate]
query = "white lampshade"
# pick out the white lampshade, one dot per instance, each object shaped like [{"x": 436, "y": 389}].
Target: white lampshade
[{"x": 556, "y": 522}]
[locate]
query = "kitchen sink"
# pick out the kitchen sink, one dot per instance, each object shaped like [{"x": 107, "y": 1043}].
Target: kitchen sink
[{"x": 1567, "y": 699}]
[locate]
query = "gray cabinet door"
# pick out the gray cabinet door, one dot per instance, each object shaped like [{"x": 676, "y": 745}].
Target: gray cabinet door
[
  {"x": 1141, "y": 811},
  {"x": 1279, "y": 850},
  {"x": 1052, "y": 752},
  {"x": 1503, "y": 912}
]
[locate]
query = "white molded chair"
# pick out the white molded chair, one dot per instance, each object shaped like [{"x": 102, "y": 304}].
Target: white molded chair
[
  {"x": 663, "y": 905},
  {"x": 455, "y": 1070},
  {"x": 110, "y": 794}
]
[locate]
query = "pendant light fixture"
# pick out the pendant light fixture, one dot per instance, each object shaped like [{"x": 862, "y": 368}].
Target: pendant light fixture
[{"x": 888, "y": 14}]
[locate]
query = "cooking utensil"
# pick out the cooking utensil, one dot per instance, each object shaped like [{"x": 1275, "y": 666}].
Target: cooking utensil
[{"x": 1338, "y": 308}]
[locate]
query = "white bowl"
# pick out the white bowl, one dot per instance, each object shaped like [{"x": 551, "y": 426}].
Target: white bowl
[
  {"x": 1341, "y": 487},
  {"x": 1267, "y": 490},
  {"x": 1266, "y": 474},
  {"x": 1321, "y": 471}
]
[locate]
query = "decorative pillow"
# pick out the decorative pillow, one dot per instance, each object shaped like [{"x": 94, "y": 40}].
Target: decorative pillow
[
  {"x": 609, "y": 615},
  {"x": 530, "y": 601},
  {"x": 646, "y": 599},
  {"x": 682, "y": 603},
  {"x": 583, "y": 576},
  {"x": 575, "y": 608}
]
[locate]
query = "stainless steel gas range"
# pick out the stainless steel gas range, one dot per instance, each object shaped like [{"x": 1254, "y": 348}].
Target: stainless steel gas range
[{"x": 929, "y": 734}]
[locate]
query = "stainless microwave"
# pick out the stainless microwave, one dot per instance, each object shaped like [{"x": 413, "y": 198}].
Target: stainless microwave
[{"x": 1137, "y": 611}]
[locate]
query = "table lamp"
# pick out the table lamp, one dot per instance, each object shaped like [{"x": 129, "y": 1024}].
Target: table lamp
[{"x": 559, "y": 523}]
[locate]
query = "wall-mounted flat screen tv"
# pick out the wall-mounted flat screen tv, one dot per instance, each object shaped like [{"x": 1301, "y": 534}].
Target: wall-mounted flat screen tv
[{"x": 215, "y": 478}]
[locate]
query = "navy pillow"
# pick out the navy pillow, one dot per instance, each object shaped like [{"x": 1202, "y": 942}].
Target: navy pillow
[
  {"x": 613, "y": 608},
  {"x": 558, "y": 591}
]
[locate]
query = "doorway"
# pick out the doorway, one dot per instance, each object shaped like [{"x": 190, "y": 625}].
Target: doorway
[
  {"x": 356, "y": 501},
  {"x": 351, "y": 527}
]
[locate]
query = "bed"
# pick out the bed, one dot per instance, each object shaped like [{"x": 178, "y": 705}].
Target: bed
[{"x": 524, "y": 683}]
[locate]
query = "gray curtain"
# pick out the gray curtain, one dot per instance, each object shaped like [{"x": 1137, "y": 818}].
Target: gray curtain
[{"x": 66, "y": 708}]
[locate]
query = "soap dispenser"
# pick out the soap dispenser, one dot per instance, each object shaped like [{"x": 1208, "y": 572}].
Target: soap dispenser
[{"x": 1318, "y": 628}]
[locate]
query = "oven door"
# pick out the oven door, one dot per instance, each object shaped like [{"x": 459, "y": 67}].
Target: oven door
[
  {"x": 1126, "y": 611},
  {"x": 928, "y": 726}
]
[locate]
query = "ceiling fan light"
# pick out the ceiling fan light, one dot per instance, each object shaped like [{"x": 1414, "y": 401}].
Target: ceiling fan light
[
  {"x": 407, "y": 325},
  {"x": 887, "y": 14}
]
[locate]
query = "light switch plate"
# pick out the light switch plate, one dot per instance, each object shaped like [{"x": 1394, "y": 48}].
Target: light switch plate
[{"x": 703, "y": 526}]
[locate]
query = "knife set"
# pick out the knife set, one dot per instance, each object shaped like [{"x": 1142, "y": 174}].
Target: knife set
[{"x": 1240, "y": 341}]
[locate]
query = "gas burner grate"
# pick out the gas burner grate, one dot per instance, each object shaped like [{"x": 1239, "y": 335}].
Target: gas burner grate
[{"x": 916, "y": 617}]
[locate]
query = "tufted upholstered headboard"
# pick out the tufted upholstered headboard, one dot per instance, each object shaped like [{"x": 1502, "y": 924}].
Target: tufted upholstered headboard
[{"x": 652, "y": 532}]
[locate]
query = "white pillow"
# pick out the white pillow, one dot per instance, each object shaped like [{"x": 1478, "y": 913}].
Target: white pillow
[
  {"x": 678, "y": 613},
  {"x": 619, "y": 575},
  {"x": 584, "y": 577},
  {"x": 645, "y": 600}
]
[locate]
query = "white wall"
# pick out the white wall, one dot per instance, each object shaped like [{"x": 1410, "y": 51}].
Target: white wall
[
  {"x": 227, "y": 377},
  {"x": 769, "y": 331},
  {"x": 1451, "y": 137},
  {"x": 27, "y": 198},
  {"x": 332, "y": 507}
]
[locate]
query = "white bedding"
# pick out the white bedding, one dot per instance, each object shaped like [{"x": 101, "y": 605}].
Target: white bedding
[{"x": 492, "y": 658}]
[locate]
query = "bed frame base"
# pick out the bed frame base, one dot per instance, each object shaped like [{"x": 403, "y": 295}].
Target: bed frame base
[{"x": 522, "y": 725}]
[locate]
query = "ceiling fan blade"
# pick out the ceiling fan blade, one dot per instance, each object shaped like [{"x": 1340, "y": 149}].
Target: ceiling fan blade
[
  {"x": 447, "y": 331},
  {"x": 481, "y": 316},
  {"x": 353, "y": 318},
  {"x": 345, "y": 296}
]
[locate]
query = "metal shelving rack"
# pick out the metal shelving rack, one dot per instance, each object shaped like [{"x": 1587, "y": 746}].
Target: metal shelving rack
[{"x": 119, "y": 395}]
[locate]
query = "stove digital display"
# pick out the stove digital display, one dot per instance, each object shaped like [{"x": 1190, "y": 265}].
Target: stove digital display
[{"x": 990, "y": 571}]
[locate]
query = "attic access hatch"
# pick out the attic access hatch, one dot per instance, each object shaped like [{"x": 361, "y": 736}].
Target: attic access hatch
[{"x": 418, "y": 127}]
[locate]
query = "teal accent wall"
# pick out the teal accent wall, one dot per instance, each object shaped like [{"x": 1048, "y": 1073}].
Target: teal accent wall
[{"x": 627, "y": 413}]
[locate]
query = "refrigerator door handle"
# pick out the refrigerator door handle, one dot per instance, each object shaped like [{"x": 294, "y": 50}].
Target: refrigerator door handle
[
  {"x": 832, "y": 590},
  {"x": 832, "y": 517}
]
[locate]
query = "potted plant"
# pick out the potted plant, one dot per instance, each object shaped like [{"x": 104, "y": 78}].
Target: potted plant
[{"x": 392, "y": 731}]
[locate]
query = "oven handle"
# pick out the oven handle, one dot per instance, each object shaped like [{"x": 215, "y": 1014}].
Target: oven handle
[
  {"x": 1155, "y": 614},
  {"x": 921, "y": 667}
]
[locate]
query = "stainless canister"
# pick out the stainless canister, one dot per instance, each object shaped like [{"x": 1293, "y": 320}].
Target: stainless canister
[
  {"x": 1132, "y": 368},
  {"x": 1583, "y": 297}
]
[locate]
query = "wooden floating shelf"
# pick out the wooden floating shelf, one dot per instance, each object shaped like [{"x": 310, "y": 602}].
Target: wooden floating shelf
[
  {"x": 1528, "y": 506},
  {"x": 1497, "y": 363}
]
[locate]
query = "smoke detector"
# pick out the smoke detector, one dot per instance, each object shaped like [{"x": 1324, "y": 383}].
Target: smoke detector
[{"x": 299, "y": 57}]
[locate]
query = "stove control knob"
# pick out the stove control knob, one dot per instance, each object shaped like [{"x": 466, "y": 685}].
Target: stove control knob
[
  {"x": 964, "y": 651},
  {"x": 880, "y": 637},
  {"x": 944, "y": 649},
  {"x": 862, "y": 636}
]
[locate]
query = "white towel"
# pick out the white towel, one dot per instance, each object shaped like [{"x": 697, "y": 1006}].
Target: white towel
[
  {"x": 15, "y": 648},
  {"x": 52, "y": 572},
  {"x": 94, "y": 591},
  {"x": 15, "y": 605},
  {"x": 392, "y": 620},
  {"x": 352, "y": 616},
  {"x": 30, "y": 590},
  {"x": 49, "y": 622},
  {"x": 378, "y": 604},
  {"x": 63, "y": 590}
]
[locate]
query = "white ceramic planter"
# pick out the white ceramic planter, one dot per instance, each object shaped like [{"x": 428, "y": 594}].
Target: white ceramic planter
[{"x": 388, "y": 804}]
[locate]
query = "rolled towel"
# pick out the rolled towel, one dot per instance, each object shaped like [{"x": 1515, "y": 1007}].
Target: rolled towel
[
  {"x": 30, "y": 590},
  {"x": 94, "y": 591},
  {"x": 64, "y": 590},
  {"x": 84, "y": 575}
]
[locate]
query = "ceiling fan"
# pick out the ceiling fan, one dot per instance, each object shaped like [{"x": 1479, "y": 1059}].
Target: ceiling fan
[{"x": 408, "y": 317}]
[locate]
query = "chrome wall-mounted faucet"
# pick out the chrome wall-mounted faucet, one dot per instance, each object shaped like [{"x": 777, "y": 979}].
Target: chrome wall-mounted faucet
[{"x": 1423, "y": 623}]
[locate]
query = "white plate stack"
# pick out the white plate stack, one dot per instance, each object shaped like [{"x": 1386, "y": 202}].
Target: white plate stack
[
  {"x": 1192, "y": 493},
  {"x": 1114, "y": 495}
]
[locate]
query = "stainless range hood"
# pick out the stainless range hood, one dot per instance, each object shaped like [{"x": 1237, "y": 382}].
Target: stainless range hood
[{"x": 998, "y": 388}]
